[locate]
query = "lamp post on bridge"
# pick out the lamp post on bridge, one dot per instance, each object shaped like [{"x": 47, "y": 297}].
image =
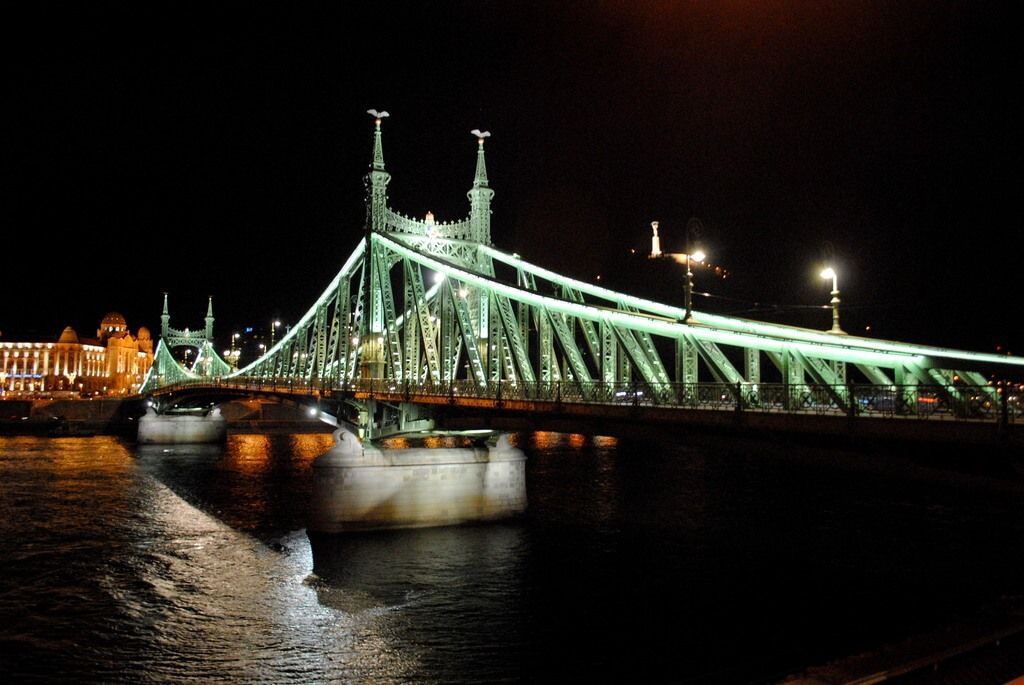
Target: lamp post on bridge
[
  {"x": 826, "y": 273},
  {"x": 232, "y": 354},
  {"x": 697, "y": 257},
  {"x": 273, "y": 329}
]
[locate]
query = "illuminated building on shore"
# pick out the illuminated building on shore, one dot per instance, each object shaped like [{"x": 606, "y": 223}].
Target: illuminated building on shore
[{"x": 113, "y": 363}]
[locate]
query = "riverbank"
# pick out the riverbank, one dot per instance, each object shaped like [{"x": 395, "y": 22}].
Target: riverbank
[{"x": 119, "y": 417}]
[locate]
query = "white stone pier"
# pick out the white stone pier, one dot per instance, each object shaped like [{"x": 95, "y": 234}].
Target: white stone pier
[{"x": 359, "y": 486}]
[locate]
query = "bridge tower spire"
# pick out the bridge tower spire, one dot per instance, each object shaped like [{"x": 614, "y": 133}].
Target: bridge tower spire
[
  {"x": 481, "y": 194},
  {"x": 209, "y": 319},
  {"x": 165, "y": 319},
  {"x": 377, "y": 179}
]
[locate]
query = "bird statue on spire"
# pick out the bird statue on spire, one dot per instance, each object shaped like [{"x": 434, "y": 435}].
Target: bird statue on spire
[
  {"x": 378, "y": 115},
  {"x": 480, "y": 135}
]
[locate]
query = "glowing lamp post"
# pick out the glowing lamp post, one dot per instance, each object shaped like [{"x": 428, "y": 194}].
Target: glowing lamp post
[
  {"x": 273, "y": 329},
  {"x": 827, "y": 273},
  {"x": 693, "y": 228},
  {"x": 697, "y": 257},
  {"x": 234, "y": 352}
]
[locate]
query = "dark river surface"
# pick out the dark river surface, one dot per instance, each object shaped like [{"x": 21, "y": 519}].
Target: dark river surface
[{"x": 705, "y": 562}]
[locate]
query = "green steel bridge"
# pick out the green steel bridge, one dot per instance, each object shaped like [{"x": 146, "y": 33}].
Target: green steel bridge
[{"x": 425, "y": 314}]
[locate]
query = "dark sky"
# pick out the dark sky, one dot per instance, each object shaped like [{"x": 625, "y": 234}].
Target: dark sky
[{"x": 219, "y": 149}]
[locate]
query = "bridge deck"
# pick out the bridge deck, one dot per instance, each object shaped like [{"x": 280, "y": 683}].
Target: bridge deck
[{"x": 914, "y": 413}]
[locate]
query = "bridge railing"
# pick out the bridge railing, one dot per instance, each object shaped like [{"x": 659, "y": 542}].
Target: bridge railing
[{"x": 934, "y": 402}]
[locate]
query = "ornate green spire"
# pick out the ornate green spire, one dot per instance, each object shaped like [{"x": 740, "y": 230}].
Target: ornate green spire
[
  {"x": 481, "y": 194},
  {"x": 378, "y": 149},
  {"x": 209, "y": 318},
  {"x": 480, "y": 180},
  {"x": 165, "y": 319},
  {"x": 377, "y": 179}
]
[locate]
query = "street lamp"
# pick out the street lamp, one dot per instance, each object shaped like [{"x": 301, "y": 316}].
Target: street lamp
[
  {"x": 273, "y": 327},
  {"x": 693, "y": 227},
  {"x": 697, "y": 257},
  {"x": 234, "y": 352},
  {"x": 826, "y": 273}
]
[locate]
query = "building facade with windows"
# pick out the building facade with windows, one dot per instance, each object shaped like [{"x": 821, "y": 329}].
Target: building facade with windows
[{"x": 113, "y": 363}]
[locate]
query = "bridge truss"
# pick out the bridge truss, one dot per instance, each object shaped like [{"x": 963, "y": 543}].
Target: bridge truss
[
  {"x": 166, "y": 370},
  {"x": 429, "y": 307}
]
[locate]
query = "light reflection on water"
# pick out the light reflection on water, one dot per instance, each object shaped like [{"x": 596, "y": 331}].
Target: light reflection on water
[
  {"x": 115, "y": 577},
  {"x": 130, "y": 564},
  {"x": 228, "y": 607}
]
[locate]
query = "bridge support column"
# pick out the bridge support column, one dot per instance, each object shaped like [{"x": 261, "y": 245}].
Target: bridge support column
[
  {"x": 609, "y": 347},
  {"x": 545, "y": 349},
  {"x": 624, "y": 373},
  {"x": 839, "y": 369},
  {"x": 752, "y": 372},
  {"x": 359, "y": 486},
  {"x": 181, "y": 428},
  {"x": 752, "y": 365},
  {"x": 371, "y": 357},
  {"x": 906, "y": 391},
  {"x": 687, "y": 367},
  {"x": 793, "y": 378}
]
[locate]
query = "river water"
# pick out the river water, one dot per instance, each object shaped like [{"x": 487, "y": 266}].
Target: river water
[{"x": 705, "y": 562}]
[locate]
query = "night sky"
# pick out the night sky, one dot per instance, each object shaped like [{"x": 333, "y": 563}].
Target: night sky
[{"x": 220, "y": 151}]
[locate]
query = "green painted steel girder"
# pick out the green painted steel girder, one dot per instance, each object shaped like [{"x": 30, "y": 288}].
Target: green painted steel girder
[
  {"x": 831, "y": 345},
  {"x": 347, "y": 270},
  {"x": 477, "y": 314},
  {"x": 657, "y": 325},
  {"x": 165, "y": 370}
]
